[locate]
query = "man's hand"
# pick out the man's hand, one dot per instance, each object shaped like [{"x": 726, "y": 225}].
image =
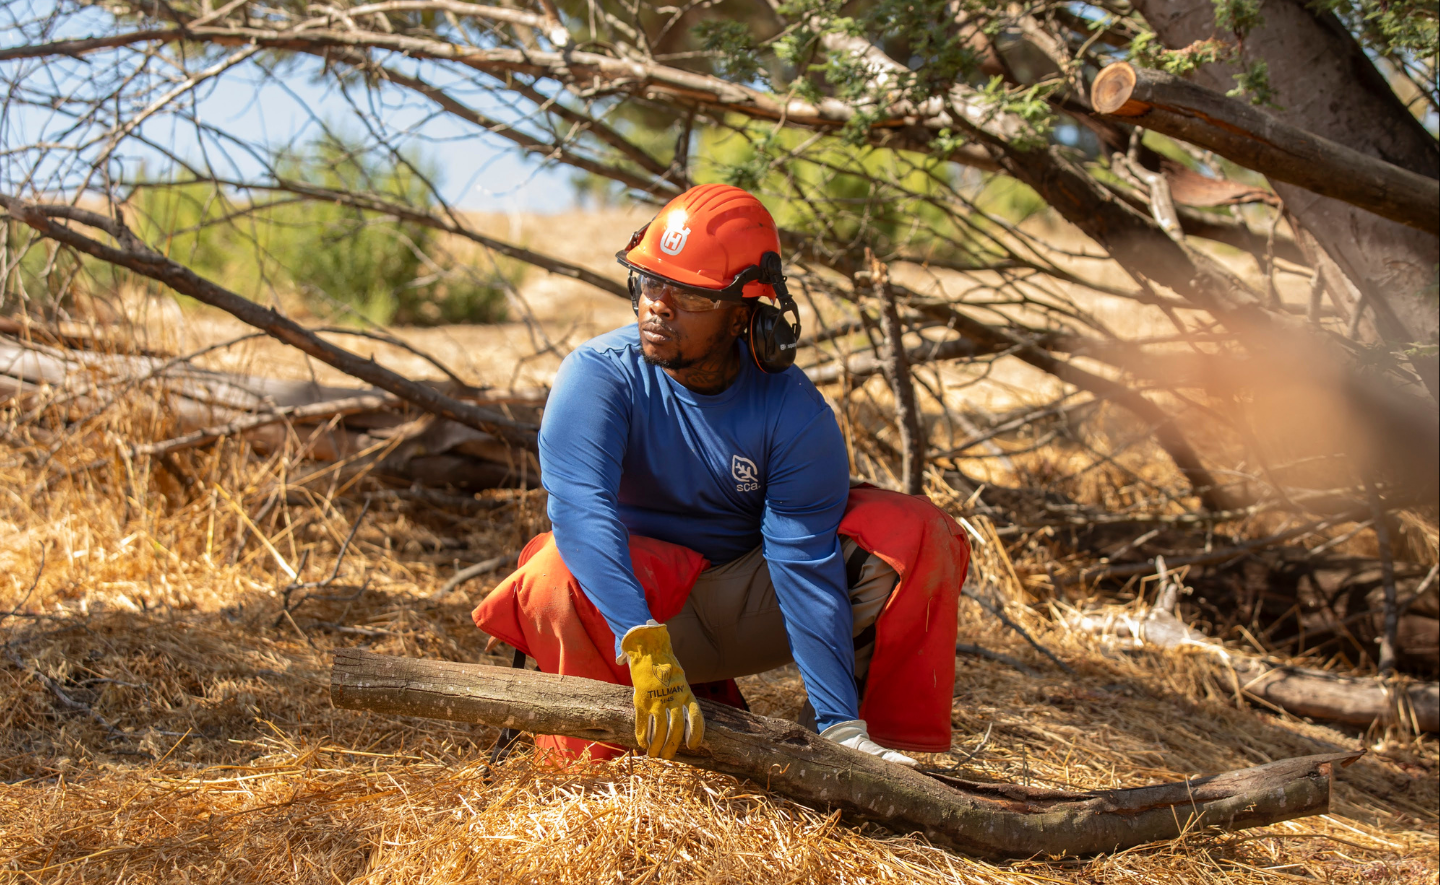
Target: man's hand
[
  {"x": 665, "y": 708},
  {"x": 855, "y": 734}
]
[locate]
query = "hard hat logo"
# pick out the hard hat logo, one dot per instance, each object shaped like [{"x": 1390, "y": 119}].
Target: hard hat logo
[{"x": 673, "y": 240}]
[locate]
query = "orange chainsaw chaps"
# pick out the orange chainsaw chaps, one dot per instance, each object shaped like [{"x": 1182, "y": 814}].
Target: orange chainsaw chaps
[
  {"x": 541, "y": 610},
  {"x": 912, "y": 673}
]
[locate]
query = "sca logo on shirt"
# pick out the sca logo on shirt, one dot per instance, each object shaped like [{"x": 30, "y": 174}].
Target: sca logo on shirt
[{"x": 746, "y": 475}]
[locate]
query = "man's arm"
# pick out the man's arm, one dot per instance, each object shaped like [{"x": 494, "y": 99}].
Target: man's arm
[
  {"x": 583, "y": 438},
  {"x": 805, "y": 497}
]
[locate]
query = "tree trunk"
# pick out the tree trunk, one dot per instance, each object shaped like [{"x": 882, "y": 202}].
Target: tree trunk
[
  {"x": 1243, "y": 134},
  {"x": 991, "y": 820},
  {"x": 1324, "y": 84}
]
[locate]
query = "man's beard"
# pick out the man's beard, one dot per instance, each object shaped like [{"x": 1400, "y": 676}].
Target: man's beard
[{"x": 674, "y": 362}]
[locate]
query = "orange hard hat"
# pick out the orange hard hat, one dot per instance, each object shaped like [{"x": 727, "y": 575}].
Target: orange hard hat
[{"x": 707, "y": 239}]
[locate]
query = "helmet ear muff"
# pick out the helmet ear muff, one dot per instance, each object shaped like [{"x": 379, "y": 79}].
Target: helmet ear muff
[
  {"x": 772, "y": 339},
  {"x": 634, "y": 286}
]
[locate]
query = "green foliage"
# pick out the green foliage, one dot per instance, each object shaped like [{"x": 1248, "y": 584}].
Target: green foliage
[
  {"x": 1146, "y": 51},
  {"x": 738, "y": 55},
  {"x": 1029, "y": 105},
  {"x": 946, "y": 142},
  {"x": 389, "y": 271},
  {"x": 1254, "y": 83},
  {"x": 866, "y": 195},
  {"x": 934, "y": 59},
  {"x": 748, "y": 166},
  {"x": 939, "y": 57},
  {"x": 1009, "y": 199},
  {"x": 1239, "y": 16},
  {"x": 1391, "y": 27}
]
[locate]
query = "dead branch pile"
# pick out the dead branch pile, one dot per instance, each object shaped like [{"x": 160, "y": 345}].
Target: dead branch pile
[{"x": 361, "y": 428}]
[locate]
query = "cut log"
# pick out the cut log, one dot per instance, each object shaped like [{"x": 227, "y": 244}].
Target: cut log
[
  {"x": 1297, "y": 690},
  {"x": 1244, "y": 134},
  {"x": 990, "y": 820}
]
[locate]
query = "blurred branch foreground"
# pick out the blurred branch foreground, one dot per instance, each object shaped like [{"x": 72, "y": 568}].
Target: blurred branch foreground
[{"x": 989, "y": 820}]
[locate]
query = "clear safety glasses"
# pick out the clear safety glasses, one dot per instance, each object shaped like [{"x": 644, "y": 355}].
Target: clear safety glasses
[{"x": 654, "y": 289}]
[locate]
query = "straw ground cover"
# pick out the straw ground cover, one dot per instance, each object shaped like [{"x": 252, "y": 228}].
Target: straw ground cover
[{"x": 164, "y": 713}]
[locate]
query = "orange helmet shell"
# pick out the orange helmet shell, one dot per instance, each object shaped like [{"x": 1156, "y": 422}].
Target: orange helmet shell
[{"x": 706, "y": 236}]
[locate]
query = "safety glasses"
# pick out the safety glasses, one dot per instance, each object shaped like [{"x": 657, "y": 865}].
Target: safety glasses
[{"x": 656, "y": 289}]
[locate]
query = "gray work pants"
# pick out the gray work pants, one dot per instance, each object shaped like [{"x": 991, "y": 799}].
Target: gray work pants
[{"x": 731, "y": 625}]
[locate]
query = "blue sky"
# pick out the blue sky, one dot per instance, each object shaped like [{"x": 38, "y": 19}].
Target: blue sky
[{"x": 478, "y": 171}]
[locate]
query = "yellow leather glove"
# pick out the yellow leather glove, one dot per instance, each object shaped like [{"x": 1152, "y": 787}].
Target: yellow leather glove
[{"x": 665, "y": 708}]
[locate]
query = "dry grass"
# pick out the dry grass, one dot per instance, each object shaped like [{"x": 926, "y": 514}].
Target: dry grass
[{"x": 164, "y": 714}]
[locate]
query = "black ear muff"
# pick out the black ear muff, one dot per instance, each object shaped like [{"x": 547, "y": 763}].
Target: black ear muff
[
  {"x": 772, "y": 338},
  {"x": 634, "y": 286}
]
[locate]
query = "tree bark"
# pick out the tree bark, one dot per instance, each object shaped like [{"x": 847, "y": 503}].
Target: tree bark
[
  {"x": 991, "y": 820},
  {"x": 1324, "y": 84},
  {"x": 1243, "y": 134}
]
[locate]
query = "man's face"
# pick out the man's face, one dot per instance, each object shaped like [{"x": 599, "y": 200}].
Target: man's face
[{"x": 675, "y": 338}]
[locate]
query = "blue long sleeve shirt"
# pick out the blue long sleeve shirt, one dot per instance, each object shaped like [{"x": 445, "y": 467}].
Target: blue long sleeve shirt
[{"x": 625, "y": 449}]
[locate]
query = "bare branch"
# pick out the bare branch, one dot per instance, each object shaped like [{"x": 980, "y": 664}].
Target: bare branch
[{"x": 135, "y": 255}]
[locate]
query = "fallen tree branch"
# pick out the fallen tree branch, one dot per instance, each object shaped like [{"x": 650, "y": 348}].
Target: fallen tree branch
[
  {"x": 133, "y": 254},
  {"x": 992, "y": 820},
  {"x": 863, "y": 365},
  {"x": 484, "y": 567},
  {"x": 1256, "y": 140},
  {"x": 980, "y": 651},
  {"x": 62, "y": 696},
  {"x": 1297, "y": 690},
  {"x": 1167, "y": 434},
  {"x": 1130, "y": 569},
  {"x": 1227, "y": 229},
  {"x": 325, "y": 409},
  {"x": 998, "y": 610}
]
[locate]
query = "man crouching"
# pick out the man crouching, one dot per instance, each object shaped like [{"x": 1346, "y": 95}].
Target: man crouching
[{"x": 704, "y": 523}]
